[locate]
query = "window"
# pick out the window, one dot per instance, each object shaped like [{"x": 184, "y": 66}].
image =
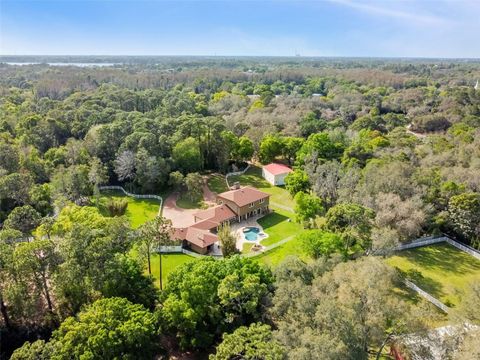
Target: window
[
  {"x": 251, "y": 205},
  {"x": 262, "y": 201}
]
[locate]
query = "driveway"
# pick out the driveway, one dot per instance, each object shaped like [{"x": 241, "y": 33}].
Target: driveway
[{"x": 179, "y": 217}]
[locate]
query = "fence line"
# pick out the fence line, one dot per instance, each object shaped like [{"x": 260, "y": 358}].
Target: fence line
[
  {"x": 427, "y": 296},
  {"x": 236, "y": 173},
  {"x": 465, "y": 248},
  {"x": 136, "y": 196}
]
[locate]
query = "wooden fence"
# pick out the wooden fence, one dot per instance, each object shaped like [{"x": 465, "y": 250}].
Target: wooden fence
[{"x": 136, "y": 196}]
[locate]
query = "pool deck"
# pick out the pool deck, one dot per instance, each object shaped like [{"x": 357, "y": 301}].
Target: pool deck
[{"x": 237, "y": 229}]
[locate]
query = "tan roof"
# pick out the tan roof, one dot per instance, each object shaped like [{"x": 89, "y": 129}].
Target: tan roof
[
  {"x": 199, "y": 237},
  {"x": 218, "y": 214},
  {"x": 243, "y": 196}
]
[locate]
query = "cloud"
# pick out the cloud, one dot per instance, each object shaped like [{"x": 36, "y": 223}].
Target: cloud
[{"x": 376, "y": 8}]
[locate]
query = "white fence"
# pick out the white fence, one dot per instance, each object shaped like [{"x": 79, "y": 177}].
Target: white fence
[
  {"x": 463, "y": 247},
  {"x": 136, "y": 196},
  {"x": 236, "y": 173},
  {"x": 427, "y": 296},
  {"x": 421, "y": 242}
]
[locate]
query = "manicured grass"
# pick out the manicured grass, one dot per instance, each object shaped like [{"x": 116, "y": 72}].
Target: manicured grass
[
  {"x": 442, "y": 270},
  {"x": 138, "y": 211},
  {"x": 217, "y": 183},
  {"x": 253, "y": 177},
  {"x": 169, "y": 263},
  {"x": 275, "y": 256},
  {"x": 246, "y": 248},
  {"x": 277, "y": 226}
]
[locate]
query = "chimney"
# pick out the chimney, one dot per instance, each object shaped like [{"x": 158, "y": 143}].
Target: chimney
[{"x": 236, "y": 185}]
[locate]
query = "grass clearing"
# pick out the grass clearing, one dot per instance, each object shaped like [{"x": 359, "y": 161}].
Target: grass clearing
[
  {"x": 169, "y": 263},
  {"x": 275, "y": 256},
  {"x": 185, "y": 202},
  {"x": 138, "y": 211},
  {"x": 253, "y": 177},
  {"x": 277, "y": 226},
  {"x": 217, "y": 183},
  {"x": 441, "y": 270}
]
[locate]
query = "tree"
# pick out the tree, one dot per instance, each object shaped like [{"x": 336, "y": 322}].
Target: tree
[
  {"x": 24, "y": 219},
  {"x": 255, "y": 342},
  {"x": 307, "y": 207},
  {"x": 125, "y": 166},
  {"x": 41, "y": 198},
  {"x": 353, "y": 222},
  {"x": 186, "y": 155},
  {"x": 228, "y": 240},
  {"x": 464, "y": 212},
  {"x": 176, "y": 180},
  {"x": 270, "y": 148},
  {"x": 108, "y": 329},
  {"x": 290, "y": 147},
  {"x": 97, "y": 175},
  {"x": 325, "y": 179},
  {"x": 154, "y": 234},
  {"x": 194, "y": 183},
  {"x": 151, "y": 172},
  {"x": 297, "y": 181},
  {"x": 345, "y": 312},
  {"x": 319, "y": 243},
  {"x": 36, "y": 261},
  {"x": 72, "y": 183},
  {"x": 245, "y": 149},
  {"x": 205, "y": 298},
  {"x": 322, "y": 145}
]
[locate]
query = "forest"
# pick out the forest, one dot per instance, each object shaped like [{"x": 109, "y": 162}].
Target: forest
[{"x": 383, "y": 151}]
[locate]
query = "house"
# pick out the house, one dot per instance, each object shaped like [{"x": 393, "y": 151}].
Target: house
[
  {"x": 235, "y": 205},
  {"x": 275, "y": 173}
]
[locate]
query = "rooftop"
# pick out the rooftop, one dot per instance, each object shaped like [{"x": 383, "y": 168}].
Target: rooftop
[
  {"x": 277, "y": 169},
  {"x": 243, "y": 196}
]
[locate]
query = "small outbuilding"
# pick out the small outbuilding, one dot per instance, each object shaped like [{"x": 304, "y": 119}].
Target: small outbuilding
[{"x": 275, "y": 173}]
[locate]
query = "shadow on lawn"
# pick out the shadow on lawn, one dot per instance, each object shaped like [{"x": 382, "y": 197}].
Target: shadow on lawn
[
  {"x": 271, "y": 219},
  {"x": 443, "y": 257}
]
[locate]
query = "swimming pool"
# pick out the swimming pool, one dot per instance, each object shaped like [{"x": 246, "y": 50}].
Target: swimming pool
[{"x": 251, "y": 233}]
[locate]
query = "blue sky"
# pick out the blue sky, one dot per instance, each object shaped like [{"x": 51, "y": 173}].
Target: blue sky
[{"x": 422, "y": 28}]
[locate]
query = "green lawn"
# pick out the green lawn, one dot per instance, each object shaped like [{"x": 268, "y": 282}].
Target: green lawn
[
  {"x": 277, "y": 226},
  {"x": 169, "y": 263},
  {"x": 275, "y": 256},
  {"x": 253, "y": 177},
  {"x": 138, "y": 211},
  {"x": 217, "y": 183},
  {"x": 442, "y": 270}
]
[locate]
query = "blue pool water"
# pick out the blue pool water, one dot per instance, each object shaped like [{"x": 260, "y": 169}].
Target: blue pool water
[{"x": 251, "y": 233}]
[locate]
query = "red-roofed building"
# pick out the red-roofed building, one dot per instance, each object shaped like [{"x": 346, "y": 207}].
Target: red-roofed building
[
  {"x": 275, "y": 173},
  {"x": 234, "y": 205}
]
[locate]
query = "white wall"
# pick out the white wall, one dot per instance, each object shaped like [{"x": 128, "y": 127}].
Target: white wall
[
  {"x": 280, "y": 179},
  {"x": 268, "y": 176}
]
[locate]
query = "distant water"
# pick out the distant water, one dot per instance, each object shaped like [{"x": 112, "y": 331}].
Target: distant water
[{"x": 63, "y": 64}]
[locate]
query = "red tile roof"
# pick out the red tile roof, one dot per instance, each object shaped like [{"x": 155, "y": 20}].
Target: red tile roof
[
  {"x": 277, "y": 169},
  {"x": 243, "y": 196},
  {"x": 201, "y": 238},
  {"x": 216, "y": 214}
]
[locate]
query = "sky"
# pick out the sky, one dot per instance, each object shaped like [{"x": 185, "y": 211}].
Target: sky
[{"x": 367, "y": 28}]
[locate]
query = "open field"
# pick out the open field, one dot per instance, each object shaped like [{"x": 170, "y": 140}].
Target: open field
[
  {"x": 253, "y": 177},
  {"x": 138, "y": 211},
  {"x": 441, "y": 270}
]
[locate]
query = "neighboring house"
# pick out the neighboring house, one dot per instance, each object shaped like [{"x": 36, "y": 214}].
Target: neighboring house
[
  {"x": 234, "y": 205},
  {"x": 275, "y": 173}
]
